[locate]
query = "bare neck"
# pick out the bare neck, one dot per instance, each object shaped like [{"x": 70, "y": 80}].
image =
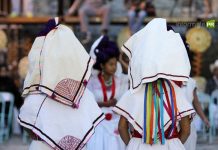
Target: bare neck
[{"x": 106, "y": 76}]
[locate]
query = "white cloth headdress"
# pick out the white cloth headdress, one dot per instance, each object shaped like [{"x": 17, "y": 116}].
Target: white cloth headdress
[
  {"x": 151, "y": 51},
  {"x": 59, "y": 66}
]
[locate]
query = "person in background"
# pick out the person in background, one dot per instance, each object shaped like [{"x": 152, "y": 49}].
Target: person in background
[
  {"x": 27, "y": 8},
  {"x": 210, "y": 9},
  {"x": 136, "y": 14},
  {"x": 212, "y": 83},
  {"x": 107, "y": 88},
  {"x": 90, "y": 8},
  {"x": 190, "y": 91}
]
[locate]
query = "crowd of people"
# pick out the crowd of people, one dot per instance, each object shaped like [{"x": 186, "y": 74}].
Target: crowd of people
[{"x": 137, "y": 11}]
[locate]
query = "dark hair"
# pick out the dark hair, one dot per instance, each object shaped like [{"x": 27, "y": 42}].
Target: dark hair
[{"x": 105, "y": 51}]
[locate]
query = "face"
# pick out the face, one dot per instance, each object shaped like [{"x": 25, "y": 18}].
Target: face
[{"x": 110, "y": 66}]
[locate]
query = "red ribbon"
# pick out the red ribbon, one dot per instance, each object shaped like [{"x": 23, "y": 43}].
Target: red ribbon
[{"x": 104, "y": 88}]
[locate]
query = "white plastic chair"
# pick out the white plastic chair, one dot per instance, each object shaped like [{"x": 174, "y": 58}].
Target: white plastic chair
[{"x": 6, "y": 117}]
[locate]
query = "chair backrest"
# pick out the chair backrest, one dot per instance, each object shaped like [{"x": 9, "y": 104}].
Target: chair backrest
[{"x": 6, "y": 97}]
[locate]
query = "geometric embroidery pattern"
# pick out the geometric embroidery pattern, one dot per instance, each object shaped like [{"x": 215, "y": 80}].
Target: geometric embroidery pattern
[
  {"x": 68, "y": 88},
  {"x": 70, "y": 143}
]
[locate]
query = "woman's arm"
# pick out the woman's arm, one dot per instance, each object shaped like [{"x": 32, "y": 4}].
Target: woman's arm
[
  {"x": 185, "y": 129},
  {"x": 123, "y": 130},
  {"x": 198, "y": 109}
]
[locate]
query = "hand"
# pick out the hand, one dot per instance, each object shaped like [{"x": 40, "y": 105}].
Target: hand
[
  {"x": 109, "y": 103},
  {"x": 123, "y": 62},
  {"x": 112, "y": 102},
  {"x": 207, "y": 123}
]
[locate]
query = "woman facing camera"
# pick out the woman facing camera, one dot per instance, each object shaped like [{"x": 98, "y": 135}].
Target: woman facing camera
[{"x": 107, "y": 89}]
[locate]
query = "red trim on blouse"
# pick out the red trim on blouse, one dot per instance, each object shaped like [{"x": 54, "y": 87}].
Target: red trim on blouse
[{"x": 104, "y": 88}]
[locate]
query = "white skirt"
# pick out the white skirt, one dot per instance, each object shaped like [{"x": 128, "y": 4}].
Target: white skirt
[
  {"x": 39, "y": 145},
  {"x": 172, "y": 144},
  {"x": 106, "y": 136},
  {"x": 191, "y": 142}
]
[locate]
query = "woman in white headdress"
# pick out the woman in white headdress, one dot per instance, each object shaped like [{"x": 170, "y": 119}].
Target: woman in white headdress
[
  {"x": 107, "y": 88},
  {"x": 59, "y": 112},
  {"x": 190, "y": 91},
  {"x": 155, "y": 109}
]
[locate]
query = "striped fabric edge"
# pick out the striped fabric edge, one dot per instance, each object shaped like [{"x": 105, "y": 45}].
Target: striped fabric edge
[
  {"x": 50, "y": 141},
  {"x": 137, "y": 127}
]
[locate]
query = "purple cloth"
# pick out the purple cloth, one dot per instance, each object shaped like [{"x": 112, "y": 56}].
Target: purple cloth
[{"x": 51, "y": 24}]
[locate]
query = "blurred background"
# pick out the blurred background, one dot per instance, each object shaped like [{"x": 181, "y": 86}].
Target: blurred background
[{"x": 21, "y": 21}]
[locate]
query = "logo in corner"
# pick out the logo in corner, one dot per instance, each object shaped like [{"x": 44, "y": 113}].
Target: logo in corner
[{"x": 211, "y": 24}]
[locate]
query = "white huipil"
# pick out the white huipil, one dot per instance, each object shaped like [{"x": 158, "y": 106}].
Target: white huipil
[
  {"x": 190, "y": 144},
  {"x": 106, "y": 135},
  {"x": 58, "y": 108},
  {"x": 131, "y": 106}
]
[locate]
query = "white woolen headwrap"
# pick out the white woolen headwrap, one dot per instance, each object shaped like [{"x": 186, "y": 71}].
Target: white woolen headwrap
[
  {"x": 59, "y": 66},
  {"x": 156, "y": 53}
]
